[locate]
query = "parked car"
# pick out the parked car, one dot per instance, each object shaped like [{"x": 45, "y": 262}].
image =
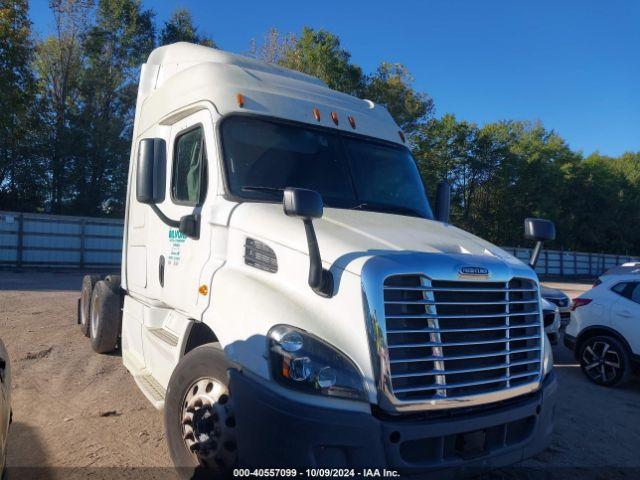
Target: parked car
[
  {"x": 628, "y": 268},
  {"x": 5, "y": 404},
  {"x": 604, "y": 331},
  {"x": 551, "y": 318},
  {"x": 561, "y": 300}
]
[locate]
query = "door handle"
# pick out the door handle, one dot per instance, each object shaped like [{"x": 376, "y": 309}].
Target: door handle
[
  {"x": 626, "y": 314},
  {"x": 161, "y": 270}
]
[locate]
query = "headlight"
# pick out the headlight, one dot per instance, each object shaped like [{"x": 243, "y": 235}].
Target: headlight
[
  {"x": 302, "y": 361},
  {"x": 547, "y": 362}
]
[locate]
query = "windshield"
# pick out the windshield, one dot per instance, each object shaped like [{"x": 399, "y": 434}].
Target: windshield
[{"x": 263, "y": 157}]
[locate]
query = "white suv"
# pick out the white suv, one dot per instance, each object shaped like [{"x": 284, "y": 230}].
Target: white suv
[{"x": 604, "y": 331}]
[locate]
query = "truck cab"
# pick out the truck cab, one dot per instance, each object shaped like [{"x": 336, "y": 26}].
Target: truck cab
[{"x": 289, "y": 298}]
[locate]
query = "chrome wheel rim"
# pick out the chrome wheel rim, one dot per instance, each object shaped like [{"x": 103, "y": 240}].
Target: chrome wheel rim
[
  {"x": 208, "y": 424},
  {"x": 94, "y": 317},
  {"x": 601, "y": 362},
  {"x": 84, "y": 300}
]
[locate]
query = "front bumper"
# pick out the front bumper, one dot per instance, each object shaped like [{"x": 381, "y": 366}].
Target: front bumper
[{"x": 276, "y": 432}]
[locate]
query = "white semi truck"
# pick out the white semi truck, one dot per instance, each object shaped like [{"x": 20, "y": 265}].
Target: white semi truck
[{"x": 288, "y": 297}]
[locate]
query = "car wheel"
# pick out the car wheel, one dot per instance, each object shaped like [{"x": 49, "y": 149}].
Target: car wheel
[
  {"x": 199, "y": 417},
  {"x": 104, "y": 326},
  {"x": 88, "y": 283},
  {"x": 605, "y": 361}
]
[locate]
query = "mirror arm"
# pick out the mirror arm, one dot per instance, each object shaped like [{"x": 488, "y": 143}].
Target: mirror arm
[
  {"x": 166, "y": 220},
  {"x": 191, "y": 232},
  {"x": 320, "y": 280},
  {"x": 535, "y": 254}
]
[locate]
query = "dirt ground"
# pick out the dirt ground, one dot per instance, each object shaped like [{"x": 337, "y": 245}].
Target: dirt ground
[
  {"x": 81, "y": 415},
  {"x": 71, "y": 407}
]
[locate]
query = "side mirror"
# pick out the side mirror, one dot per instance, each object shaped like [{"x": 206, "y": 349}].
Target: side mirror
[
  {"x": 151, "y": 171},
  {"x": 443, "y": 202},
  {"x": 540, "y": 230},
  {"x": 307, "y": 205},
  {"x": 301, "y": 203}
]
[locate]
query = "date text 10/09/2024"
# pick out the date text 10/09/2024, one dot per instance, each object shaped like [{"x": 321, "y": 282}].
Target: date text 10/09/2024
[{"x": 315, "y": 473}]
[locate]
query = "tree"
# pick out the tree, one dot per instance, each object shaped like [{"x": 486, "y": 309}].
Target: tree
[
  {"x": 318, "y": 53},
  {"x": 20, "y": 175},
  {"x": 121, "y": 40},
  {"x": 180, "y": 28},
  {"x": 390, "y": 86},
  {"x": 59, "y": 67},
  {"x": 274, "y": 46},
  {"x": 443, "y": 150},
  {"x": 600, "y": 204}
]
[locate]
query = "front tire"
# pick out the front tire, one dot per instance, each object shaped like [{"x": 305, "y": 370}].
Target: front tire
[
  {"x": 104, "y": 330},
  {"x": 199, "y": 417},
  {"x": 605, "y": 361},
  {"x": 84, "y": 313}
]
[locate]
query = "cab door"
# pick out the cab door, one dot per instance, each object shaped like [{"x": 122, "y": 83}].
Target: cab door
[{"x": 191, "y": 184}]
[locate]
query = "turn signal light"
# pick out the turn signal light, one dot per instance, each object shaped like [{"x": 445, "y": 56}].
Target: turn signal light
[
  {"x": 579, "y": 302},
  {"x": 334, "y": 117},
  {"x": 204, "y": 290},
  {"x": 240, "y": 99},
  {"x": 316, "y": 113},
  {"x": 401, "y": 134},
  {"x": 352, "y": 121}
]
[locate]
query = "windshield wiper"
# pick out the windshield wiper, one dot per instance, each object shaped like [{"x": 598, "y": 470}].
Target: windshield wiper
[
  {"x": 376, "y": 207},
  {"x": 254, "y": 188}
]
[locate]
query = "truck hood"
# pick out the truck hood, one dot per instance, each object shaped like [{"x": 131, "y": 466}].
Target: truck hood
[{"x": 348, "y": 238}]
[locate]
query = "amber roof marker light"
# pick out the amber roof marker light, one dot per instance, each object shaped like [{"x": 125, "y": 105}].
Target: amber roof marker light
[
  {"x": 334, "y": 117},
  {"x": 316, "y": 113},
  {"x": 240, "y": 99},
  {"x": 352, "y": 121}
]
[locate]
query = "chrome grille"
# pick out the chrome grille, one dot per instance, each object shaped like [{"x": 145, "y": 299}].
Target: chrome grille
[{"x": 449, "y": 339}]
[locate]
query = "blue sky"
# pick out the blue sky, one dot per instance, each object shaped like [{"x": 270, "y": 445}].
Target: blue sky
[{"x": 572, "y": 64}]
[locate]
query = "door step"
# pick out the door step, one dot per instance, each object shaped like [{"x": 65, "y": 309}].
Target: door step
[
  {"x": 151, "y": 389},
  {"x": 165, "y": 335}
]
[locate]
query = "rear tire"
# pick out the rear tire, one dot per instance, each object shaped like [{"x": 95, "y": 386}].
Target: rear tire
[
  {"x": 605, "y": 361},
  {"x": 198, "y": 415},
  {"x": 106, "y": 303},
  {"x": 114, "y": 280},
  {"x": 84, "y": 314}
]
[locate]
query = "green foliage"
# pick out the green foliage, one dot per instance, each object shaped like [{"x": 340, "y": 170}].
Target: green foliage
[
  {"x": 180, "y": 28},
  {"x": 390, "y": 86},
  {"x": 20, "y": 171},
  {"x": 319, "y": 53},
  {"x": 114, "y": 47},
  {"x": 58, "y": 66}
]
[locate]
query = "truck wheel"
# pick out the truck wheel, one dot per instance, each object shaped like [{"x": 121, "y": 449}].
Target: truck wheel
[
  {"x": 198, "y": 415},
  {"x": 105, "y": 317},
  {"x": 114, "y": 280},
  {"x": 605, "y": 361},
  {"x": 88, "y": 282}
]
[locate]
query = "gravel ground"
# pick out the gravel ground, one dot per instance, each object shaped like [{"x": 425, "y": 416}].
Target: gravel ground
[{"x": 81, "y": 415}]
